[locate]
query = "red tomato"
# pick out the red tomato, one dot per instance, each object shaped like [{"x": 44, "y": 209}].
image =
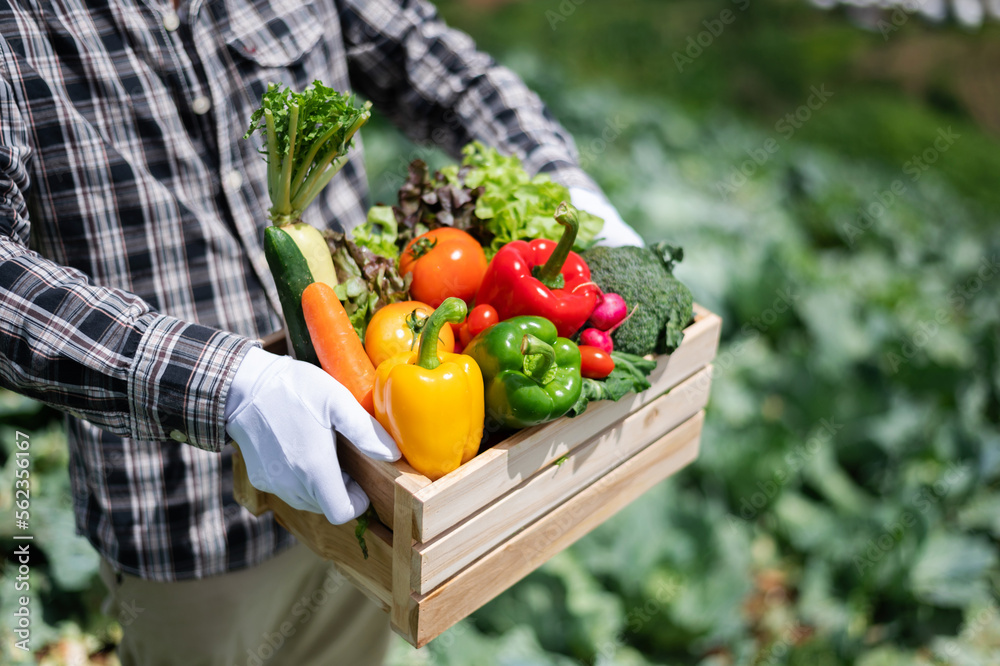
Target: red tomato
[
  {"x": 481, "y": 318},
  {"x": 595, "y": 363},
  {"x": 444, "y": 262}
]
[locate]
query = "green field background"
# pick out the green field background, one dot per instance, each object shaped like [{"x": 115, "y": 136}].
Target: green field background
[{"x": 834, "y": 179}]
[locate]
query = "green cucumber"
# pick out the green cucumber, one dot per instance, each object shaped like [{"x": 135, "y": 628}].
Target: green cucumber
[
  {"x": 291, "y": 276},
  {"x": 315, "y": 250}
]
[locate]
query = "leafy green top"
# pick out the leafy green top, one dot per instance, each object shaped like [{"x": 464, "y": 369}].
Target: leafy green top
[
  {"x": 512, "y": 204},
  {"x": 307, "y": 136},
  {"x": 367, "y": 279},
  {"x": 629, "y": 376},
  {"x": 489, "y": 195}
]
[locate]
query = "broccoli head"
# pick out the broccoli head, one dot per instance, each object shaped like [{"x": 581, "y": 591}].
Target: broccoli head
[{"x": 644, "y": 277}]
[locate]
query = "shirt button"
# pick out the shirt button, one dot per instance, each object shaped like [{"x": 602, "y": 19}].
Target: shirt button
[
  {"x": 201, "y": 105},
  {"x": 178, "y": 436},
  {"x": 171, "y": 21},
  {"x": 233, "y": 180}
]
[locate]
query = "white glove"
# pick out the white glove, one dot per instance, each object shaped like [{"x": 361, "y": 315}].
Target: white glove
[
  {"x": 285, "y": 415},
  {"x": 615, "y": 232}
]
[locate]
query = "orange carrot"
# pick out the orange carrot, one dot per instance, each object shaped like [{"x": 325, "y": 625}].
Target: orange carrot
[{"x": 336, "y": 343}]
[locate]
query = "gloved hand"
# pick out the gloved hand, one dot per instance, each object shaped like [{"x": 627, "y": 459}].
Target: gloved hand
[
  {"x": 616, "y": 231},
  {"x": 285, "y": 415}
]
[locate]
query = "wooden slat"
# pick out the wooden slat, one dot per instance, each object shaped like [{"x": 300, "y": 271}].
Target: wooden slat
[
  {"x": 378, "y": 595},
  {"x": 528, "y": 550},
  {"x": 402, "y": 555},
  {"x": 377, "y": 478},
  {"x": 443, "y": 557},
  {"x": 339, "y": 543},
  {"x": 497, "y": 471}
]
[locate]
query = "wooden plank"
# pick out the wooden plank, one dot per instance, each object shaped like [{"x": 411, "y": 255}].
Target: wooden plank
[
  {"x": 497, "y": 471},
  {"x": 504, "y": 566},
  {"x": 378, "y": 596},
  {"x": 452, "y": 551},
  {"x": 377, "y": 478},
  {"x": 402, "y": 555},
  {"x": 372, "y": 578},
  {"x": 378, "y": 481},
  {"x": 339, "y": 543}
]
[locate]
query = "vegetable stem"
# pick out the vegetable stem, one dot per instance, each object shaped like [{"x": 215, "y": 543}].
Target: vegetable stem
[
  {"x": 551, "y": 273},
  {"x": 303, "y": 171},
  {"x": 452, "y": 310},
  {"x": 317, "y": 180},
  {"x": 272, "y": 155},
  {"x": 327, "y": 166},
  {"x": 538, "y": 357},
  {"x": 285, "y": 203}
]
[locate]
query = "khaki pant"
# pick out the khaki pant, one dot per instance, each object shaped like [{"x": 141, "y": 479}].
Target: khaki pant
[{"x": 294, "y": 609}]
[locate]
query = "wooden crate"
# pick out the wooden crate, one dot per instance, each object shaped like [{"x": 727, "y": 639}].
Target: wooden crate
[{"x": 447, "y": 547}]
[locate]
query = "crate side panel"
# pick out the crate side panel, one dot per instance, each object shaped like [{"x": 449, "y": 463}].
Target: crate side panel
[
  {"x": 449, "y": 553},
  {"x": 402, "y": 558},
  {"x": 375, "y": 477},
  {"x": 339, "y": 544},
  {"x": 526, "y": 551}
]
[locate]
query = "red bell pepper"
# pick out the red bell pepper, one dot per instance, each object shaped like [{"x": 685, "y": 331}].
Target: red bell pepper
[{"x": 542, "y": 278}]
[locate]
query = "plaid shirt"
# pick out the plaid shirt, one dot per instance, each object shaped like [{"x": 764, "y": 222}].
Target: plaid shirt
[{"x": 145, "y": 281}]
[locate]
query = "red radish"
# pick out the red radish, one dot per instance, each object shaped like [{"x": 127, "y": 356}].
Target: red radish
[
  {"x": 594, "y": 337},
  {"x": 610, "y": 310}
]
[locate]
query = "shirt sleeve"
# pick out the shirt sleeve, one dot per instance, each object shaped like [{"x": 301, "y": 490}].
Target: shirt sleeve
[
  {"x": 101, "y": 354},
  {"x": 431, "y": 81}
]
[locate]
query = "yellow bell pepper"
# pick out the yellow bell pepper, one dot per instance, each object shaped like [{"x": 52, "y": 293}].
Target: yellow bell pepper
[{"x": 431, "y": 404}]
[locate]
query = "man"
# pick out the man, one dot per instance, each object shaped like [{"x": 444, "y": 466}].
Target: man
[{"x": 139, "y": 305}]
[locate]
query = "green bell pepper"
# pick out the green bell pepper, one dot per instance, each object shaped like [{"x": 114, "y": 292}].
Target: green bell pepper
[{"x": 531, "y": 374}]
